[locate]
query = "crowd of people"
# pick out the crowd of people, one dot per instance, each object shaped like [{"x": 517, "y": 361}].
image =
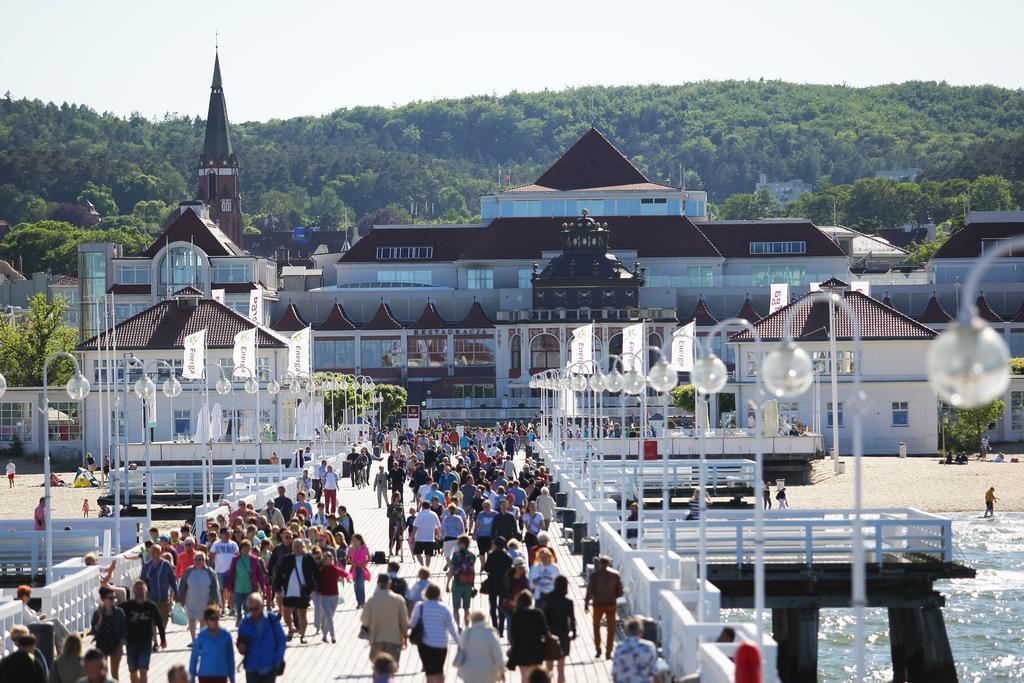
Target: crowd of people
[{"x": 455, "y": 499}]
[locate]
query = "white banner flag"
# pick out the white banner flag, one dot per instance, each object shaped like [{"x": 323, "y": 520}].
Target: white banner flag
[
  {"x": 194, "y": 362},
  {"x": 815, "y": 286},
  {"x": 634, "y": 353},
  {"x": 581, "y": 350},
  {"x": 864, "y": 287},
  {"x": 256, "y": 305},
  {"x": 244, "y": 354},
  {"x": 682, "y": 347},
  {"x": 298, "y": 352},
  {"x": 217, "y": 295},
  {"x": 780, "y": 297}
]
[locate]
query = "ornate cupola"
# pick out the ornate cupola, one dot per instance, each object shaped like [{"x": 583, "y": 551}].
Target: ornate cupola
[{"x": 585, "y": 274}]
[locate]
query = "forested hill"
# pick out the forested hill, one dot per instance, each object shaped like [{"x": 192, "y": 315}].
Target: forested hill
[{"x": 446, "y": 153}]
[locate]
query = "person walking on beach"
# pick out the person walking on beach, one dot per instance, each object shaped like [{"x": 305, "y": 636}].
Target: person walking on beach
[
  {"x": 990, "y": 502},
  {"x": 767, "y": 496},
  {"x": 781, "y": 497},
  {"x": 11, "y": 471}
]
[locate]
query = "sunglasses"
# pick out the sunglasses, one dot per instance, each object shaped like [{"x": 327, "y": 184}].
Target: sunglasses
[{"x": 213, "y": 619}]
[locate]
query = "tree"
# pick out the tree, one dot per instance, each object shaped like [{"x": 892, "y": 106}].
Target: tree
[
  {"x": 24, "y": 347},
  {"x": 923, "y": 252},
  {"x": 395, "y": 399},
  {"x": 100, "y": 197},
  {"x": 684, "y": 397},
  {"x": 971, "y": 423},
  {"x": 991, "y": 193},
  {"x": 152, "y": 211},
  {"x": 326, "y": 211},
  {"x": 389, "y": 215},
  {"x": 53, "y": 245},
  {"x": 744, "y": 207}
]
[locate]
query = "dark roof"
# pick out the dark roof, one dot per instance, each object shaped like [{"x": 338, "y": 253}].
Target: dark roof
[
  {"x": 748, "y": 311},
  {"x": 448, "y": 242},
  {"x": 235, "y": 287},
  {"x": 934, "y": 313},
  {"x": 834, "y": 282},
  {"x": 1018, "y": 317},
  {"x": 166, "y": 324},
  {"x": 129, "y": 289},
  {"x": 966, "y": 243},
  {"x": 593, "y": 162},
  {"x": 898, "y": 237},
  {"x": 217, "y": 143},
  {"x": 383, "y": 319},
  {"x": 985, "y": 311},
  {"x": 188, "y": 290},
  {"x": 526, "y": 238},
  {"x": 810, "y": 322},
  {"x": 299, "y": 246},
  {"x": 336, "y": 321},
  {"x": 733, "y": 238},
  {"x": 290, "y": 321},
  {"x": 475, "y": 318},
  {"x": 190, "y": 228},
  {"x": 702, "y": 315},
  {"x": 429, "y": 319}
]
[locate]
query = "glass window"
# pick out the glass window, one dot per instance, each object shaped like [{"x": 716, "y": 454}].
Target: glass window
[
  {"x": 182, "y": 425},
  {"x": 828, "y": 419},
  {"x": 333, "y": 353},
  {"x": 133, "y": 275},
  {"x": 844, "y": 362},
  {"x": 525, "y": 278},
  {"x": 1016, "y": 343},
  {"x": 474, "y": 391},
  {"x": 1016, "y": 411},
  {"x": 380, "y": 353},
  {"x": 480, "y": 278},
  {"x": 427, "y": 352},
  {"x": 117, "y": 422},
  {"x": 16, "y": 419},
  {"x": 402, "y": 253},
  {"x": 515, "y": 352},
  {"x": 900, "y": 414},
  {"x": 474, "y": 352},
  {"x": 186, "y": 266},
  {"x": 238, "y": 424},
  {"x": 753, "y": 364},
  {"x": 288, "y": 424},
  {"x": 232, "y": 272},
  {"x": 63, "y": 421},
  {"x": 778, "y": 247},
  {"x": 405, "y": 277},
  {"x": 700, "y": 276},
  {"x": 544, "y": 353}
]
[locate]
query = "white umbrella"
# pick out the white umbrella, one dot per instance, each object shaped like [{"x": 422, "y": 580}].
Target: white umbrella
[
  {"x": 202, "y": 426},
  {"x": 216, "y": 423}
]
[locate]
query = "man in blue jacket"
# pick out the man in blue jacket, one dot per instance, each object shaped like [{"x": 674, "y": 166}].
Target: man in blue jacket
[{"x": 261, "y": 642}]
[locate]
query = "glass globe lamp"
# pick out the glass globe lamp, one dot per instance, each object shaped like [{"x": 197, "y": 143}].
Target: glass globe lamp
[
  {"x": 613, "y": 381},
  {"x": 596, "y": 382},
  {"x": 296, "y": 385},
  {"x": 172, "y": 387},
  {"x": 709, "y": 374},
  {"x": 78, "y": 387},
  {"x": 579, "y": 383},
  {"x": 3, "y": 385},
  {"x": 251, "y": 386},
  {"x": 662, "y": 377},
  {"x": 969, "y": 366},
  {"x": 273, "y": 387},
  {"x": 787, "y": 371},
  {"x": 223, "y": 386},
  {"x": 633, "y": 382},
  {"x": 533, "y": 382},
  {"x": 144, "y": 387}
]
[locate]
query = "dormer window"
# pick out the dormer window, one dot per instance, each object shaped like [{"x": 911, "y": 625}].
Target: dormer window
[{"x": 404, "y": 253}]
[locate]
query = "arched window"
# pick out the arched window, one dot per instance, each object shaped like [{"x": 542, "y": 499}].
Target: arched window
[
  {"x": 614, "y": 349},
  {"x": 544, "y": 352},
  {"x": 654, "y": 339},
  {"x": 211, "y": 186},
  {"x": 515, "y": 352},
  {"x": 187, "y": 266}
]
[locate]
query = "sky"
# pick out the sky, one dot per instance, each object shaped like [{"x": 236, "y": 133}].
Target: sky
[{"x": 282, "y": 59}]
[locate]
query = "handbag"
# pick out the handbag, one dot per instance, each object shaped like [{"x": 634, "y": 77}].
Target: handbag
[
  {"x": 552, "y": 647},
  {"x": 416, "y": 632},
  {"x": 178, "y": 617},
  {"x": 485, "y": 586}
]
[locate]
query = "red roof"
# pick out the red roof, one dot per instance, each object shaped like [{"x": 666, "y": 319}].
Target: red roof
[
  {"x": 592, "y": 162},
  {"x": 336, "y": 321},
  {"x": 64, "y": 281},
  {"x": 733, "y": 238},
  {"x": 429, "y": 319},
  {"x": 290, "y": 321},
  {"x": 651, "y": 236},
  {"x": 447, "y": 242},
  {"x": 475, "y": 318},
  {"x": 205, "y": 235},
  {"x": 189, "y": 290},
  {"x": 985, "y": 311},
  {"x": 748, "y": 311},
  {"x": 934, "y": 313},
  {"x": 383, "y": 319},
  {"x": 128, "y": 289},
  {"x": 810, "y": 322},
  {"x": 166, "y": 324},
  {"x": 702, "y": 315}
]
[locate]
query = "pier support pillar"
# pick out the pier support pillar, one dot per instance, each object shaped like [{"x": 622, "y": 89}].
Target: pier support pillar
[
  {"x": 920, "y": 646},
  {"x": 796, "y": 632}
]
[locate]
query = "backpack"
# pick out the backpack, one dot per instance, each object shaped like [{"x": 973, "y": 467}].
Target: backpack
[
  {"x": 465, "y": 568},
  {"x": 379, "y": 557}
]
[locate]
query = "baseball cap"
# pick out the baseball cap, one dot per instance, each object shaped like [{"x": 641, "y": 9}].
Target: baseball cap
[{"x": 164, "y": 538}]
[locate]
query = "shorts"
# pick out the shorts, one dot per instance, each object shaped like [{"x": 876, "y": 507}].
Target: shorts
[
  {"x": 424, "y": 548},
  {"x": 462, "y": 593},
  {"x": 138, "y": 656},
  {"x": 222, "y": 580},
  {"x": 483, "y": 543},
  {"x": 296, "y": 603},
  {"x": 432, "y": 659},
  {"x": 10, "y": 477}
]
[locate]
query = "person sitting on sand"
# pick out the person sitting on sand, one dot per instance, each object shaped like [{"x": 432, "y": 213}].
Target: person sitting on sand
[{"x": 999, "y": 458}]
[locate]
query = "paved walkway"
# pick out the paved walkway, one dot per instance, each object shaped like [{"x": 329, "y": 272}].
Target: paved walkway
[{"x": 348, "y": 660}]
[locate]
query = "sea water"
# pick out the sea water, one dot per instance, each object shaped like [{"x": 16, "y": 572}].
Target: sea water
[{"x": 984, "y": 616}]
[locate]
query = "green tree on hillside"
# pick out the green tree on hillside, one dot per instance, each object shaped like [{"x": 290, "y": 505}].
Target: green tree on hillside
[
  {"x": 745, "y": 207},
  {"x": 100, "y": 197},
  {"x": 52, "y": 246},
  {"x": 991, "y": 193}
]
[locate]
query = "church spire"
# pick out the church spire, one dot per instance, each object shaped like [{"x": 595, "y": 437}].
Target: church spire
[{"x": 217, "y": 149}]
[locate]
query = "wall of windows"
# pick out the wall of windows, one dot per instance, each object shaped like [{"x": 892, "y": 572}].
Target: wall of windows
[
  {"x": 232, "y": 272},
  {"x": 64, "y": 421},
  {"x": 15, "y": 419},
  {"x": 474, "y": 391},
  {"x": 389, "y": 253},
  {"x": 474, "y": 352},
  {"x": 334, "y": 353},
  {"x": 427, "y": 352},
  {"x": 900, "y": 414},
  {"x": 844, "y": 362},
  {"x": 413, "y": 277},
  {"x": 480, "y": 278},
  {"x": 778, "y": 247},
  {"x": 639, "y": 206},
  {"x": 134, "y": 274},
  {"x": 779, "y": 274},
  {"x": 187, "y": 267},
  {"x": 380, "y": 353}
]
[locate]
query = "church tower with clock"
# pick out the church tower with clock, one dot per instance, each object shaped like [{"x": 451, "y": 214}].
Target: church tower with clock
[{"x": 218, "y": 165}]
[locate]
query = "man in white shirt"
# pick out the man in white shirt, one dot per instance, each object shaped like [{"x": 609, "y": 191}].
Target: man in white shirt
[
  {"x": 331, "y": 490},
  {"x": 223, "y": 551},
  {"x": 426, "y": 531},
  {"x": 508, "y": 467},
  {"x": 10, "y": 474},
  {"x": 422, "y": 491}
]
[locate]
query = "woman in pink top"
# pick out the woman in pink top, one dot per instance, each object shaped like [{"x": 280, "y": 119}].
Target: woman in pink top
[
  {"x": 359, "y": 559},
  {"x": 40, "y": 515}
]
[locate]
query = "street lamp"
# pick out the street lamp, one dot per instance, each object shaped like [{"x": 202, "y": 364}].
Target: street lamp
[
  {"x": 251, "y": 387},
  {"x": 77, "y": 389},
  {"x": 145, "y": 389}
]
